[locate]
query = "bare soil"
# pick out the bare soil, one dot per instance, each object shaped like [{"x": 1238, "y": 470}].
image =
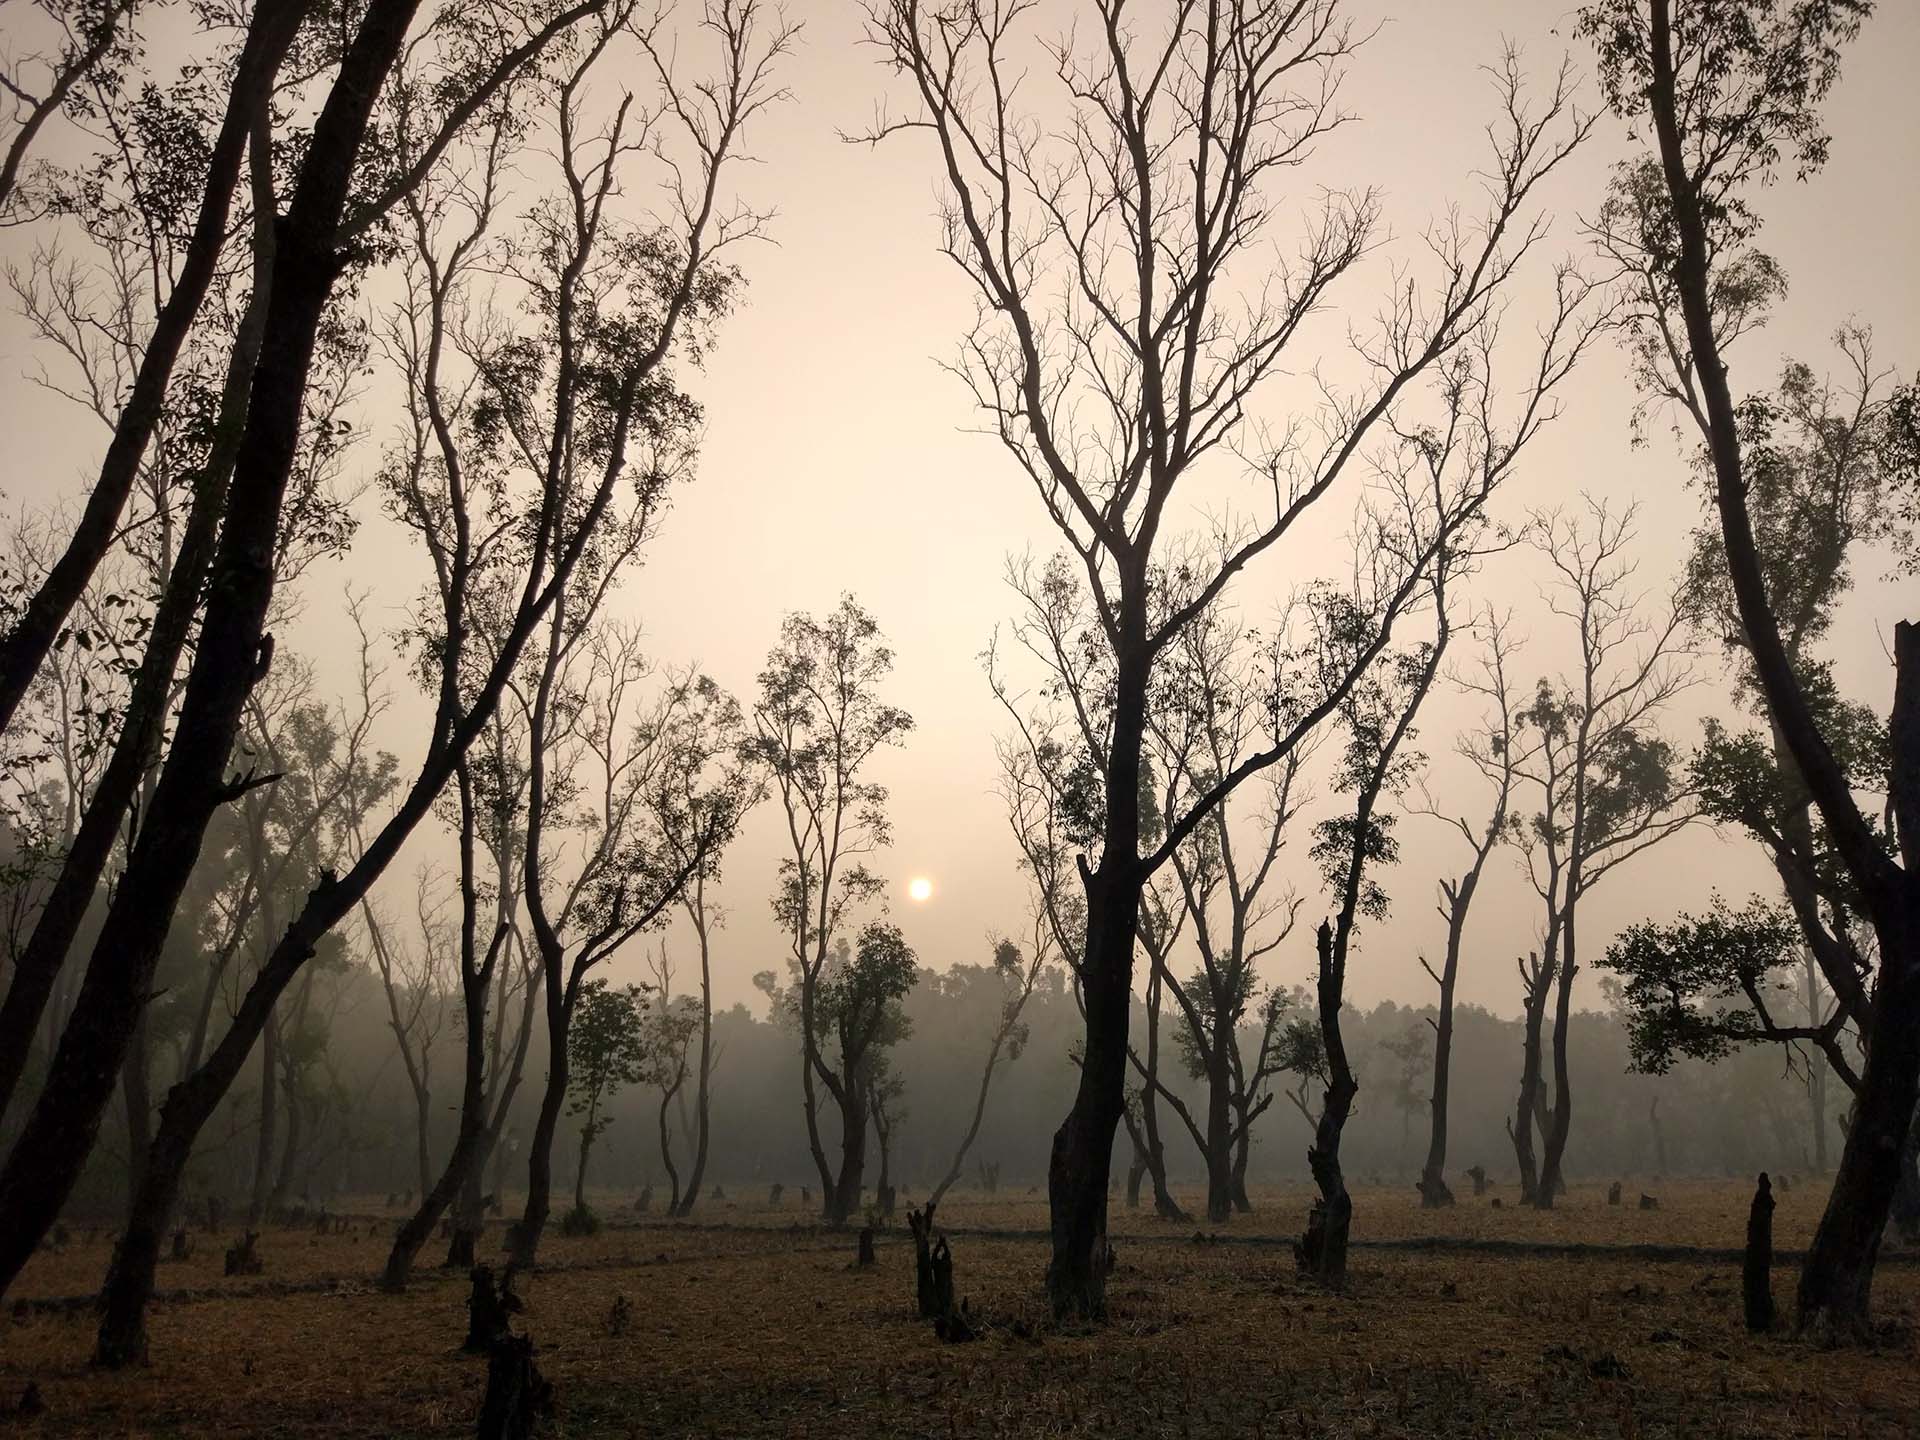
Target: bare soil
[{"x": 1588, "y": 1320}]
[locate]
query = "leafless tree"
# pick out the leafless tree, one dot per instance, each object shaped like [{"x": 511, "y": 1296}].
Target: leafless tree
[
  {"x": 416, "y": 979},
  {"x": 1130, "y": 312},
  {"x": 1492, "y": 751},
  {"x": 1608, "y": 784}
]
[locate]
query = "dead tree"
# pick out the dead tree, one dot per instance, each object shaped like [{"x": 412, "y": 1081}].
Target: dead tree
[
  {"x": 864, "y": 1255},
  {"x": 920, "y": 1222},
  {"x": 517, "y": 1394},
  {"x": 490, "y": 1306},
  {"x": 1107, "y": 252},
  {"x": 242, "y": 1258}
]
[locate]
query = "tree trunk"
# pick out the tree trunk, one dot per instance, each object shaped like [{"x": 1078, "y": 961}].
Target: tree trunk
[
  {"x": 1164, "y": 1205},
  {"x": 703, "y": 1096},
  {"x": 674, "y": 1196},
  {"x": 1434, "y": 1191},
  {"x": 1551, "y": 1181},
  {"x": 1757, "y": 1270},
  {"x": 230, "y": 657},
  {"x": 1219, "y": 1134},
  {"x": 1082, "y": 1156},
  {"x": 33, "y": 634},
  {"x": 1520, "y": 1130},
  {"x": 263, "y": 1152},
  {"x": 1836, "y": 1279},
  {"x": 136, "y": 1085},
  {"x": 1242, "y": 1151},
  {"x": 580, "y": 1176},
  {"x": 533, "y": 1217},
  {"x": 1323, "y": 1251},
  {"x": 853, "y": 1153}
]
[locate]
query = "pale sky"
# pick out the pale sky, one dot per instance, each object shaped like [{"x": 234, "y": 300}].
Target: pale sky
[{"x": 835, "y": 459}]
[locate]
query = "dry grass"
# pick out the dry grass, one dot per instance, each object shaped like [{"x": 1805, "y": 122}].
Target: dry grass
[{"x": 763, "y": 1329}]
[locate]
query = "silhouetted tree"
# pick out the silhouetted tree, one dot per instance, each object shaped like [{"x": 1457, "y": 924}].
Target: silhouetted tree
[
  {"x": 1129, "y": 312},
  {"x": 819, "y": 722},
  {"x": 1605, "y": 776},
  {"x": 1490, "y": 750}
]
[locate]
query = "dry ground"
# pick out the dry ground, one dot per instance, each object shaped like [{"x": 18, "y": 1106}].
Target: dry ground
[{"x": 745, "y": 1323}]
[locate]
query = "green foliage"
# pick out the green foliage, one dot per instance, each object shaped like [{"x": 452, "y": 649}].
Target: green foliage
[
  {"x": 606, "y": 1050},
  {"x": 1697, "y": 987}
]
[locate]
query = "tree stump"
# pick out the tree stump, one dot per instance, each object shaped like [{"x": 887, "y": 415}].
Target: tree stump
[
  {"x": 1648, "y": 1202},
  {"x": 213, "y": 1212},
  {"x": 1478, "y": 1174},
  {"x": 1322, "y": 1250},
  {"x": 182, "y": 1246},
  {"x": 941, "y": 1262},
  {"x": 645, "y": 1202},
  {"x": 517, "y": 1393},
  {"x": 889, "y": 1198},
  {"x": 241, "y": 1258},
  {"x": 460, "y": 1248},
  {"x": 866, "y": 1246},
  {"x": 1613, "y": 1193},
  {"x": 1756, "y": 1276},
  {"x": 773, "y": 1196},
  {"x": 921, "y": 1223},
  {"x": 489, "y": 1308}
]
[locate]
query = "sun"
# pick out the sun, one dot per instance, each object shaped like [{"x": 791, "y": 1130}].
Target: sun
[{"x": 920, "y": 888}]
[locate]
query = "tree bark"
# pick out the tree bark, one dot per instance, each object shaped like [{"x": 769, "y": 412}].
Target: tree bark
[{"x": 1323, "y": 1253}]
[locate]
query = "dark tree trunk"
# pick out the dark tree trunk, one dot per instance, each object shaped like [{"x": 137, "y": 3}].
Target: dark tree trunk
[
  {"x": 230, "y": 657},
  {"x": 1219, "y": 1134},
  {"x": 266, "y": 1137},
  {"x": 845, "y": 1203},
  {"x": 32, "y": 636},
  {"x": 1757, "y": 1270},
  {"x": 135, "y": 1083},
  {"x": 1242, "y": 1152},
  {"x": 533, "y": 1217},
  {"x": 1538, "y": 981},
  {"x": 1323, "y": 1251},
  {"x": 1164, "y": 1205},
  {"x": 703, "y": 1096},
  {"x": 1552, "y": 1182},
  {"x": 1435, "y": 1194},
  {"x": 1836, "y": 1280},
  {"x": 1082, "y": 1156}
]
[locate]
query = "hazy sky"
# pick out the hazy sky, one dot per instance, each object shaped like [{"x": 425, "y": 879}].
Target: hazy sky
[{"x": 836, "y": 459}]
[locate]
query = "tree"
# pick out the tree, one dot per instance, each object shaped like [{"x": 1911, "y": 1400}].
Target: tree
[
  {"x": 573, "y": 500},
  {"x": 231, "y": 655},
  {"x": 1017, "y": 974},
  {"x": 607, "y": 1051},
  {"x": 819, "y": 723},
  {"x": 855, "y": 1002},
  {"x": 1731, "y": 93},
  {"x": 708, "y": 734},
  {"x": 670, "y": 1031},
  {"x": 1209, "y": 719},
  {"x": 1607, "y": 780},
  {"x": 1129, "y": 313},
  {"x": 599, "y": 867},
  {"x": 1492, "y": 752},
  {"x": 416, "y": 983},
  {"x": 1377, "y": 718}
]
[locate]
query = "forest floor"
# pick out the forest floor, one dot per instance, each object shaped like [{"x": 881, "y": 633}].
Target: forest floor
[{"x": 1588, "y": 1320}]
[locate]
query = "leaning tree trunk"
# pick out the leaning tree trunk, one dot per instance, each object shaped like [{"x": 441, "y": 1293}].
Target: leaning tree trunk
[
  {"x": 674, "y": 1196},
  {"x": 232, "y": 654},
  {"x": 533, "y": 1218},
  {"x": 1242, "y": 1151}
]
